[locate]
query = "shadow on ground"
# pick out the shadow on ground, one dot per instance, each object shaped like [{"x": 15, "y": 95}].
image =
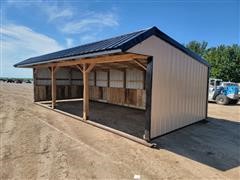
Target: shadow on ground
[
  {"x": 214, "y": 142},
  {"x": 238, "y": 104}
]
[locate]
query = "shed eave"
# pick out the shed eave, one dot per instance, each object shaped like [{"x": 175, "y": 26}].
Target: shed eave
[{"x": 30, "y": 65}]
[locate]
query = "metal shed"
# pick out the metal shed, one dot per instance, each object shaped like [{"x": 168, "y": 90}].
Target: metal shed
[{"x": 145, "y": 70}]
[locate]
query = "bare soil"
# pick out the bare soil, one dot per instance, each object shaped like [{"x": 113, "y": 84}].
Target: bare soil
[
  {"x": 37, "y": 143},
  {"x": 124, "y": 119}
]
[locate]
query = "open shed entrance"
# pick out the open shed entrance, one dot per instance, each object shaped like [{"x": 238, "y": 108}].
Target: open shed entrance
[
  {"x": 112, "y": 94},
  {"x": 124, "y": 119}
]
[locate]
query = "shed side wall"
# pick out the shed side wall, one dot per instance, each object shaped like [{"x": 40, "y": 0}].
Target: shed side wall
[{"x": 178, "y": 88}]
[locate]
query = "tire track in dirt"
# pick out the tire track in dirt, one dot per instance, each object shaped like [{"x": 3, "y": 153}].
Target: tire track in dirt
[
  {"x": 55, "y": 161},
  {"x": 24, "y": 140},
  {"x": 8, "y": 124},
  {"x": 46, "y": 145},
  {"x": 17, "y": 142}
]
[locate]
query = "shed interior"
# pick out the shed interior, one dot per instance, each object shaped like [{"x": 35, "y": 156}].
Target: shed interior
[{"x": 117, "y": 93}]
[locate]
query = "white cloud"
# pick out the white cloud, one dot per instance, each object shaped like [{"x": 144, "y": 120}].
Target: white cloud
[
  {"x": 20, "y": 42},
  {"x": 49, "y": 8},
  {"x": 93, "y": 22},
  {"x": 72, "y": 20},
  {"x": 55, "y": 12},
  {"x": 23, "y": 37}
]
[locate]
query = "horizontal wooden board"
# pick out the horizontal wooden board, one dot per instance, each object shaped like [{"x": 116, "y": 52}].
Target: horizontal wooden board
[
  {"x": 120, "y": 96},
  {"x": 43, "y": 93}
]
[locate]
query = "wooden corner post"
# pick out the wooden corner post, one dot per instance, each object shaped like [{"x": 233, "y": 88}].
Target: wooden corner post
[
  {"x": 34, "y": 84},
  {"x": 148, "y": 85},
  {"x": 53, "y": 79},
  {"x": 85, "y": 93}
]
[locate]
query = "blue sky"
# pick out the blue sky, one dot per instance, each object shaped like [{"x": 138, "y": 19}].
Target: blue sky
[{"x": 31, "y": 28}]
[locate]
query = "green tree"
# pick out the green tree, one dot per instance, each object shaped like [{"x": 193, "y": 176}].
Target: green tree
[
  {"x": 224, "y": 60},
  {"x": 198, "y": 47}
]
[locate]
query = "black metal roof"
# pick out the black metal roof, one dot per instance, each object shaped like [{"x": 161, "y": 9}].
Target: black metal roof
[{"x": 122, "y": 43}]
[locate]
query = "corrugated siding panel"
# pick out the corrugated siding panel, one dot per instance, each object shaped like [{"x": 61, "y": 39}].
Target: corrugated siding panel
[
  {"x": 77, "y": 77},
  {"x": 178, "y": 89},
  {"x": 44, "y": 76},
  {"x": 134, "y": 79},
  {"x": 116, "y": 78},
  {"x": 43, "y": 73},
  {"x": 63, "y": 73},
  {"x": 43, "y": 82},
  {"x": 102, "y": 78},
  {"x": 63, "y": 76},
  {"x": 77, "y": 82},
  {"x": 91, "y": 79}
]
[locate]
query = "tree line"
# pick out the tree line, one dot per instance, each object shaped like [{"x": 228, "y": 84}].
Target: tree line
[{"x": 224, "y": 59}]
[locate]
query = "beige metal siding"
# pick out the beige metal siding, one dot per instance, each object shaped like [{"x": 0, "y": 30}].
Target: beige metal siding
[
  {"x": 63, "y": 76},
  {"x": 178, "y": 88},
  {"x": 116, "y": 78},
  {"x": 101, "y": 78},
  {"x": 134, "y": 79},
  {"x": 42, "y": 76},
  {"x": 91, "y": 79},
  {"x": 77, "y": 77}
]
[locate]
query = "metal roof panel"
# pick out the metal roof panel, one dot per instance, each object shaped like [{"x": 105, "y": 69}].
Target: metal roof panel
[{"x": 123, "y": 42}]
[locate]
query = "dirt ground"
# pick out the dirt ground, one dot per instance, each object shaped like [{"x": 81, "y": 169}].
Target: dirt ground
[
  {"x": 124, "y": 119},
  {"x": 37, "y": 143}
]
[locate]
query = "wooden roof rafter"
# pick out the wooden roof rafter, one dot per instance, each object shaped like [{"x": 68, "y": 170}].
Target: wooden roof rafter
[
  {"x": 110, "y": 66},
  {"x": 123, "y": 65},
  {"x": 144, "y": 67},
  {"x": 96, "y": 60},
  {"x": 86, "y": 69}
]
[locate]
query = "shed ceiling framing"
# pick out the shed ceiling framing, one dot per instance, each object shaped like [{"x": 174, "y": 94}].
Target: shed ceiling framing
[{"x": 85, "y": 65}]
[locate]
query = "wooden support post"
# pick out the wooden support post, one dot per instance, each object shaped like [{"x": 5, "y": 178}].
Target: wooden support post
[
  {"x": 85, "y": 69},
  {"x": 53, "y": 78},
  {"x": 85, "y": 93}
]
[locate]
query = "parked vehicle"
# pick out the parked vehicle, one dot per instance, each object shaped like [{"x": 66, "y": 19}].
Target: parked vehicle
[
  {"x": 10, "y": 81},
  {"x": 28, "y": 81},
  {"x": 223, "y": 92},
  {"x": 19, "y": 81}
]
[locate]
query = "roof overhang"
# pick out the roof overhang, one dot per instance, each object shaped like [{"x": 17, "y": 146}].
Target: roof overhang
[
  {"x": 30, "y": 65},
  {"x": 98, "y": 59}
]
